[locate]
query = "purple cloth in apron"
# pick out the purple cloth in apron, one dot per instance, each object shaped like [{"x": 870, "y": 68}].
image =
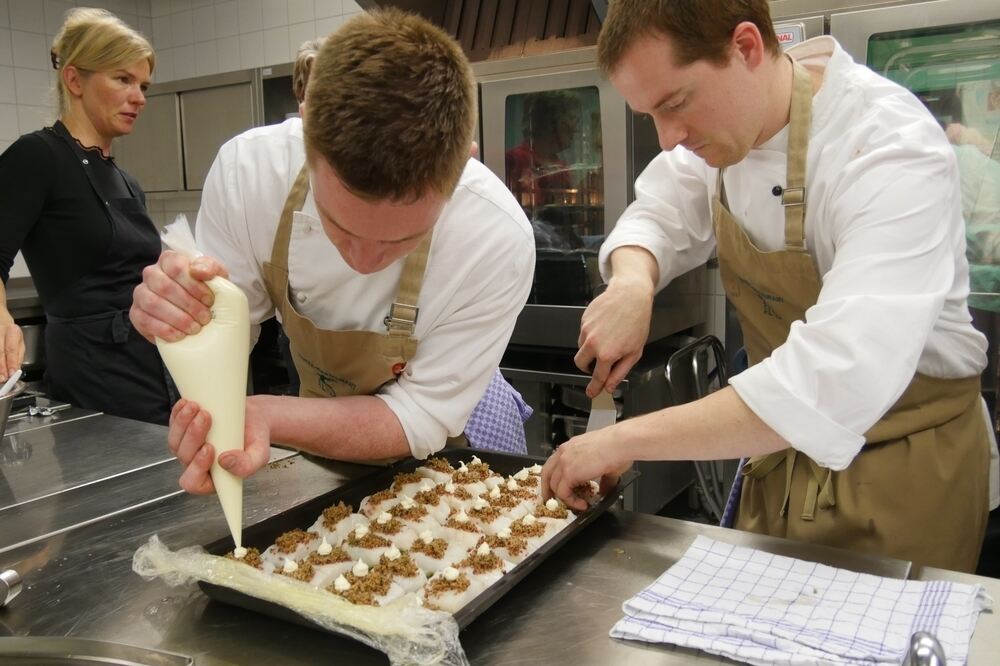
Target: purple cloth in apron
[
  {"x": 497, "y": 422},
  {"x": 733, "y": 501}
]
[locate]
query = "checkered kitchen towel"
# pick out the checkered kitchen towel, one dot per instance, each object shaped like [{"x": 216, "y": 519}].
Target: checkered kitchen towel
[
  {"x": 497, "y": 422},
  {"x": 760, "y": 608}
]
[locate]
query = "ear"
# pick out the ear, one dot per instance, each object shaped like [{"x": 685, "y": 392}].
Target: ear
[
  {"x": 73, "y": 80},
  {"x": 302, "y": 109},
  {"x": 747, "y": 45},
  {"x": 474, "y": 150}
]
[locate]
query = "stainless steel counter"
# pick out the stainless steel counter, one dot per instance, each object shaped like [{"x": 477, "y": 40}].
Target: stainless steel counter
[{"x": 79, "y": 582}]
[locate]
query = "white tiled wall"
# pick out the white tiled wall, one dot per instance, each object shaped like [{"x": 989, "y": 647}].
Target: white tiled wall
[{"x": 191, "y": 38}]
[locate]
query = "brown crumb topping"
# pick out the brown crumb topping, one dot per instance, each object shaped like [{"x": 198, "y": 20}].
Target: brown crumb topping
[
  {"x": 531, "y": 481},
  {"x": 519, "y": 529},
  {"x": 334, "y": 514},
  {"x": 405, "y": 478},
  {"x": 439, "y": 465},
  {"x": 377, "y": 580},
  {"x": 514, "y": 545},
  {"x": 468, "y": 476},
  {"x": 436, "y": 548},
  {"x": 466, "y": 526},
  {"x": 461, "y": 493},
  {"x": 289, "y": 541},
  {"x": 504, "y": 501},
  {"x": 481, "y": 564},
  {"x": 391, "y": 527},
  {"x": 370, "y": 540},
  {"x": 305, "y": 572},
  {"x": 356, "y": 595},
  {"x": 414, "y": 514},
  {"x": 487, "y": 514},
  {"x": 335, "y": 556},
  {"x": 430, "y": 497},
  {"x": 480, "y": 468},
  {"x": 436, "y": 587},
  {"x": 585, "y": 491},
  {"x": 402, "y": 566},
  {"x": 252, "y": 558},
  {"x": 381, "y": 496},
  {"x": 560, "y": 512}
]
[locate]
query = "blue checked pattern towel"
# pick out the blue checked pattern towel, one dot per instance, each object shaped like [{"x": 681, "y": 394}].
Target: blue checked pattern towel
[
  {"x": 760, "y": 608},
  {"x": 497, "y": 422}
]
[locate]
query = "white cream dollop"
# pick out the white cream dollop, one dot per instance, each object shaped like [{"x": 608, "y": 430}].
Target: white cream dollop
[
  {"x": 512, "y": 484},
  {"x": 341, "y": 584},
  {"x": 383, "y": 518},
  {"x": 483, "y": 550},
  {"x": 461, "y": 516},
  {"x": 476, "y": 460},
  {"x": 449, "y": 487},
  {"x": 495, "y": 493},
  {"x": 361, "y": 531},
  {"x": 503, "y": 533},
  {"x": 239, "y": 552},
  {"x": 324, "y": 547},
  {"x": 480, "y": 504},
  {"x": 426, "y": 486},
  {"x": 407, "y": 503},
  {"x": 290, "y": 566},
  {"x": 426, "y": 536},
  {"x": 522, "y": 475},
  {"x": 463, "y": 468},
  {"x": 450, "y": 573},
  {"x": 360, "y": 569},
  {"x": 552, "y": 504},
  {"x": 392, "y": 553},
  {"x": 529, "y": 520},
  {"x": 535, "y": 469}
]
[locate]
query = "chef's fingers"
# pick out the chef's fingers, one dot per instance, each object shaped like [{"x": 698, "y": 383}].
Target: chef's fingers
[
  {"x": 194, "y": 437},
  {"x": 196, "y": 478},
  {"x": 600, "y": 377},
  {"x": 563, "y": 489},
  {"x": 13, "y": 350},
  {"x": 547, "y": 470},
  {"x": 171, "y": 301},
  {"x": 608, "y": 483},
  {"x": 246, "y": 462},
  {"x": 584, "y": 358},
  {"x": 180, "y": 418},
  {"x": 205, "y": 268},
  {"x": 619, "y": 370}
]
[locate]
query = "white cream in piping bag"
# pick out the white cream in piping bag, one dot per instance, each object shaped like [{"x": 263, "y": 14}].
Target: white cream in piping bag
[{"x": 210, "y": 368}]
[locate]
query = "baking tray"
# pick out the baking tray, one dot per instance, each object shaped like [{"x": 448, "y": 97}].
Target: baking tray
[
  {"x": 263, "y": 534},
  {"x": 65, "y": 651}
]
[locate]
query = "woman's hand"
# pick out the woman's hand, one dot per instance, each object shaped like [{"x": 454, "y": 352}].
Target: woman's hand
[
  {"x": 189, "y": 426},
  {"x": 12, "y": 340}
]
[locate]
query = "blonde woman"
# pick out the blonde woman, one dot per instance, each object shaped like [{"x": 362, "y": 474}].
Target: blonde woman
[{"x": 82, "y": 225}]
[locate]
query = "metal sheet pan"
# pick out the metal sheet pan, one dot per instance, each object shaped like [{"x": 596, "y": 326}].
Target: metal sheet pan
[
  {"x": 62, "y": 651},
  {"x": 265, "y": 532}
]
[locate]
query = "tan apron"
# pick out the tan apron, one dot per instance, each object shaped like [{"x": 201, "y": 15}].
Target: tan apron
[
  {"x": 918, "y": 490},
  {"x": 342, "y": 363}
]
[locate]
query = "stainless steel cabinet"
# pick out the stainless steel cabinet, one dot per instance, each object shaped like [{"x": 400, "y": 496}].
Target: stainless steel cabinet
[
  {"x": 209, "y": 118},
  {"x": 152, "y": 152}
]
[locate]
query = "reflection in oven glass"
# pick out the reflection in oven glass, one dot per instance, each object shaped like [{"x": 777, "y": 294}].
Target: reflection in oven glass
[{"x": 555, "y": 168}]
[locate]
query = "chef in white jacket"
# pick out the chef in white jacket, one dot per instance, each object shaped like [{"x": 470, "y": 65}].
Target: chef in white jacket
[
  {"x": 832, "y": 199},
  {"x": 396, "y": 264}
]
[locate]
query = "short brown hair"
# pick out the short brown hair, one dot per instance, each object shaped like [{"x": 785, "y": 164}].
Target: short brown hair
[
  {"x": 699, "y": 29},
  {"x": 96, "y": 40},
  {"x": 391, "y": 107},
  {"x": 304, "y": 59}
]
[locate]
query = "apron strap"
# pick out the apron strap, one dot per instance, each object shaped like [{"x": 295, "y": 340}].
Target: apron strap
[
  {"x": 819, "y": 487},
  {"x": 282, "y": 237},
  {"x": 402, "y": 318},
  {"x": 793, "y": 198}
]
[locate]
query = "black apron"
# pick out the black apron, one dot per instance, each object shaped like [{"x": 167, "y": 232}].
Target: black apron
[{"x": 99, "y": 361}]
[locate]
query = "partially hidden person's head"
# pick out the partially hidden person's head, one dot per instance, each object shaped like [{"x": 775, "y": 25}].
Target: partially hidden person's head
[
  {"x": 302, "y": 67},
  {"x": 551, "y": 119},
  {"x": 104, "y": 67},
  {"x": 702, "y": 69},
  {"x": 389, "y": 123}
]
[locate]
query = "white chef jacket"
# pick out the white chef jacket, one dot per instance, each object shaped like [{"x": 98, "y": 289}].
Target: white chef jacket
[
  {"x": 478, "y": 276},
  {"x": 884, "y": 225}
]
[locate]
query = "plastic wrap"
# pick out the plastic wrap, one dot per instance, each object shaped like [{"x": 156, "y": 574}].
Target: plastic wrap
[{"x": 404, "y": 630}]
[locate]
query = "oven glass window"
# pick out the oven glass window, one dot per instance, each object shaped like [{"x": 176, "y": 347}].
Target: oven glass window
[
  {"x": 955, "y": 71},
  {"x": 554, "y": 165}
]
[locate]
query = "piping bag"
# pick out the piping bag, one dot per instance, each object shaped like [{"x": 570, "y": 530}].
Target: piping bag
[{"x": 210, "y": 368}]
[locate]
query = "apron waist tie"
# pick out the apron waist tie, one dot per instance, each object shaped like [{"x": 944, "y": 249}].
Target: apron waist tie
[{"x": 819, "y": 485}]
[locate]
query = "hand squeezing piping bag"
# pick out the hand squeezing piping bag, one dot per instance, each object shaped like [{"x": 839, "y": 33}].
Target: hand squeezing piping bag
[{"x": 210, "y": 368}]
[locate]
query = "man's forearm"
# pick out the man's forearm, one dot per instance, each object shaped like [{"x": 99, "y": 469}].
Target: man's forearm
[
  {"x": 636, "y": 266},
  {"x": 717, "y": 427},
  {"x": 354, "y": 428}
]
